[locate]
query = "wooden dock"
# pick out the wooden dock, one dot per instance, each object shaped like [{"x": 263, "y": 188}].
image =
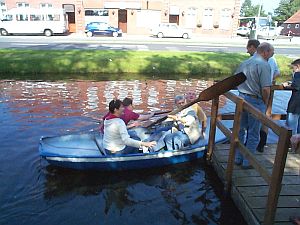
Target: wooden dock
[{"x": 250, "y": 191}]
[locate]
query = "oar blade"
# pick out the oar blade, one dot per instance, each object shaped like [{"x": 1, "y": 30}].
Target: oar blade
[{"x": 222, "y": 87}]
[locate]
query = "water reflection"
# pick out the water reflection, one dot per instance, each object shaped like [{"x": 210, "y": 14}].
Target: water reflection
[
  {"x": 85, "y": 98},
  {"x": 182, "y": 193}
]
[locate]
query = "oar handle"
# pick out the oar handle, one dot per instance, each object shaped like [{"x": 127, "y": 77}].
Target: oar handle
[
  {"x": 174, "y": 112},
  {"x": 162, "y": 112}
]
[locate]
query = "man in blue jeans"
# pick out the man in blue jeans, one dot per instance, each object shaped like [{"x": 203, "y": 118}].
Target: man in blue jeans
[{"x": 256, "y": 91}]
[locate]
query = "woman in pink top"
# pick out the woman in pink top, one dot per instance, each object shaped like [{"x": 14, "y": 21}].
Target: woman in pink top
[{"x": 129, "y": 115}]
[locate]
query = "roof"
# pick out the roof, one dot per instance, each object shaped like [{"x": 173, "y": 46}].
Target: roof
[{"x": 294, "y": 18}]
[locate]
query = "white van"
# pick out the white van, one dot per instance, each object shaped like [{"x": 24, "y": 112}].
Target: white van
[{"x": 34, "y": 21}]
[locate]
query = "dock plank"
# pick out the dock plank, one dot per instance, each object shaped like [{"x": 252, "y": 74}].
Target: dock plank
[
  {"x": 250, "y": 191},
  {"x": 284, "y": 202}
]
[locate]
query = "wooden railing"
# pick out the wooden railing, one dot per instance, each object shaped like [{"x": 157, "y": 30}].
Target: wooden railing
[{"x": 273, "y": 179}]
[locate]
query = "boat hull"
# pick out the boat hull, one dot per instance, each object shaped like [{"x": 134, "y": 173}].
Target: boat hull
[{"x": 138, "y": 161}]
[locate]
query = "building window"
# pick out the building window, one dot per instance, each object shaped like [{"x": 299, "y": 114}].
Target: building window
[
  {"x": 22, "y": 5},
  {"x": 289, "y": 26},
  {"x": 208, "y": 19},
  {"x": 96, "y": 12},
  {"x": 99, "y": 15},
  {"x": 45, "y": 5},
  {"x": 2, "y": 9},
  {"x": 225, "y": 20},
  {"x": 297, "y": 26}
]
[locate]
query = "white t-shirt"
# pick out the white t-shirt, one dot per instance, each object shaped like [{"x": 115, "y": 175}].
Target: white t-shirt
[
  {"x": 274, "y": 67},
  {"x": 116, "y": 136}
]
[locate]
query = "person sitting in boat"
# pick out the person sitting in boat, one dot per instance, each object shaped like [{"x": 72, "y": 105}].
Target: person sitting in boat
[
  {"x": 185, "y": 129},
  {"x": 116, "y": 139},
  {"x": 191, "y": 96},
  {"x": 129, "y": 115}
]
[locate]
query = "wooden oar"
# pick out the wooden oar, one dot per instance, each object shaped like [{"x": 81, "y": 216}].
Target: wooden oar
[
  {"x": 210, "y": 93},
  {"x": 162, "y": 112},
  {"x": 101, "y": 120}
]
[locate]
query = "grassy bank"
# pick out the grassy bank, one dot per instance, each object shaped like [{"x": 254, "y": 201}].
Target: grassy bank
[{"x": 77, "y": 64}]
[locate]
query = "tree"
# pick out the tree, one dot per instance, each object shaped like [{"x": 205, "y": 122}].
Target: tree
[
  {"x": 246, "y": 7},
  {"x": 248, "y": 10},
  {"x": 286, "y": 9}
]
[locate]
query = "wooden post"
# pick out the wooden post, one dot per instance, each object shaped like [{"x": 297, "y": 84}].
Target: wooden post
[
  {"x": 212, "y": 130},
  {"x": 277, "y": 174},
  {"x": 233, "y": 143}
]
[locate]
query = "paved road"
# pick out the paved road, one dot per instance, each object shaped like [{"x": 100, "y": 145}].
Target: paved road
[{"x": 139, "y": 44}]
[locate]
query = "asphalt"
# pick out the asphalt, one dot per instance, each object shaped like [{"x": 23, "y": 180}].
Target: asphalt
[{"x": 145, "y": 43}]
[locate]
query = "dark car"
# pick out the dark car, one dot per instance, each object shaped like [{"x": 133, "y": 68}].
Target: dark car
[{"x": 102, "y": 29}]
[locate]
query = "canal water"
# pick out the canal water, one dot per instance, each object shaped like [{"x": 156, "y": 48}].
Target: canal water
[{"x": 33, "y": 192}]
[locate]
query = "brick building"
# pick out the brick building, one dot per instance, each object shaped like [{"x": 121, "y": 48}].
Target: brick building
[{"x": 215, "y": 17}]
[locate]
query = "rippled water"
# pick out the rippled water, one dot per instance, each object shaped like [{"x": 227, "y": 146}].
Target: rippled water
[{"x": 33, "y": 192}]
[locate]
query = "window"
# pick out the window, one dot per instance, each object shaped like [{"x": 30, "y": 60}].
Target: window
[
  {"x": 102, "y": 26},
  {"x": 289, "y": 26},
  {"x": 100, "y": 15},
  {"x": 46, "y": 5},
  {"x": 2, "y": 9},
  {"x": 7, "y": 18},
  {"x": 96, "y": 12},
  {"x": 22, "y": 17},
  {"x": 225, "y": 20},
  {"x": 174, "y": 27},
  {"x": 34, "y": 17},
  {"x": 208, "y": 19},
  {"x": 53, "y": 17},
  {"x": 22, "y": 5},
  {"x": 297, "y": 26}
]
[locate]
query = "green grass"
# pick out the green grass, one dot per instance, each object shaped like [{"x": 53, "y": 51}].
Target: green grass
[{"x": 115, "y": 65}]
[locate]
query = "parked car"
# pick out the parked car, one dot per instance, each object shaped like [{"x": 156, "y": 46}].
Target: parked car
[
  {"x": 170, "y": 30},
  {"x": 102, "y": 29},
  {"x": 268, "y": 31},
  {"x": 243, "y": 31}
]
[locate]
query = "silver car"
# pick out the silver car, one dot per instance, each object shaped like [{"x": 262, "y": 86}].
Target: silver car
[{"x": 170, "y": 30}]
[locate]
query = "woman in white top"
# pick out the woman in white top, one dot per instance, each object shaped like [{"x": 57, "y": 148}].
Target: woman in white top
[{"x": 116, "y": 139}]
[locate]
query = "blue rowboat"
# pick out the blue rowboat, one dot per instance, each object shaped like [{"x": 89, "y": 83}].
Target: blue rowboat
[{"x": 85, "y": 152}]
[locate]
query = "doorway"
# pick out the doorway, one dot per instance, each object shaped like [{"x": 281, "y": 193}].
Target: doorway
[
  {"x": 70, "y": 11},
  {"x": 174, "y": 19},
  {"x": 122, "y": 20}
]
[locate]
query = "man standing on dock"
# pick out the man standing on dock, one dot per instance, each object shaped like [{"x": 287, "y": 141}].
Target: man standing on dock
[
  {"x": 255, "y": 90},
  {"x": 251, "y": 47}
]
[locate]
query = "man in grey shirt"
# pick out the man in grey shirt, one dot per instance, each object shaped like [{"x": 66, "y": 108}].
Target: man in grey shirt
[
  {"x": 255, "y": 90},
  {"x": 251, "y": 49}
]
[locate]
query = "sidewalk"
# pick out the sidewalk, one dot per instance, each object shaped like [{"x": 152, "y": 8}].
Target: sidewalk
[{"x": 196, "y": 39}]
